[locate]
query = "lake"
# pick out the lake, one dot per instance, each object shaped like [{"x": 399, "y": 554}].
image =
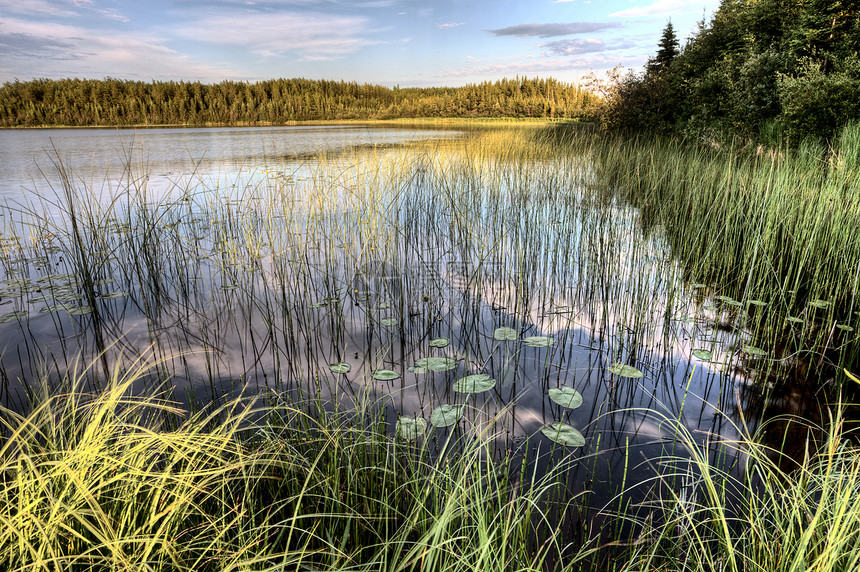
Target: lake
[{"x": 414, "y": 270}]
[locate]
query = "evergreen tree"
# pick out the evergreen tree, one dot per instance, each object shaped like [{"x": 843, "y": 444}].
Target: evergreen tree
[{"x": 668, "y": 50}]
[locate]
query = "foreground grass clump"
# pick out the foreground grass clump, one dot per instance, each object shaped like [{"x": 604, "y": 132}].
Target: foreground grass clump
[{"x": 111, "y": 481}]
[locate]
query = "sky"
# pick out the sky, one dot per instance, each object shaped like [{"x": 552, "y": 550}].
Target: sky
[{"x": 386, "y": 42}]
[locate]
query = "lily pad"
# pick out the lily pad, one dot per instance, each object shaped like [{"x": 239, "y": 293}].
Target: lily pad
[
  {"x": 476, "y": 383},
  {"x": 794, "y": 320},
  {"x": 12, "y": 316},
  {"x": 318, "y": 305},
  {"x": 80, "y": 310},
  {"x": 758, "y": 303},
  {"x": 844, "y": 328},
  {"x": 624, "y": 370},
  {"x": 116, "y": 294},
  {"x": 446, "y": 415},
  {"x": 698, "y": 285},
  {"x": 504, "y": 334},
  {"x": 439, "y": 342},
  {"x": 754, "y": 351},
  {"x": 538, "y": 341},
  {"x": 703, "y": 354},
  {"x": 341, "y": 367},
  {"x": 53, "y": 308},
  {"x": 417, "y": 370},
  {"x": 820, "y": 304},
  {"x": 728, "y": 301},
  {"x": 563, "y": 434},
  {"x": 410, "y": 428},
  {"x": 566, "y": 396},
  {"x": 384, "y": 374},
  {"x": 383, "y": 305},
  {"x": 437, "y": 363},
  {"x": 389, "y": 321}
]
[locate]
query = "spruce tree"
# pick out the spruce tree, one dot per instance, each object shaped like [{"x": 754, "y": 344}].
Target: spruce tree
[{"x": 668, "y": 45}]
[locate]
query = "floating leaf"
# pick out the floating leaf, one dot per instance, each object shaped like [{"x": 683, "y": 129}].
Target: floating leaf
[
  {"x": 439, "y": 342},
  {"x": 437, "y": 363},
  {"x": 318, "y": 305},
  {"x": 754, "y": 351},
  {"x": 819, "y": 304},
  {"x": 229, "y": 286},
  {"x": 475, "y": 383},
  {"x": 12, "y": 316},
  {"x": 538, "y": 341},
  {"x": 729, "y": 301},
  {"x": 758, "y": 303},
  {"x": 389, "y": 321},
  {"x": 703, "y": 354},
  {"x": 563, "y": 434},
  {"x": 566, "y": 396},
  {"x": 698, "y": 285},
  {"x": 504, "y": 334},
  {"x": 794, "y": 320},
  {"x": 410, "y": 428},
  {"x": 341, "y": 367},
  {"x": 624, "y": 370},
  {"x": 844, "y": 328},
  {"x": 52, "y": 308},
  {"x": 383, "y": 306},
  {"x": 117, "y": 294},
  {"x": 418, "y": 370},
  {"x": 80, "y": 310},
  {"x": 384, "y": 374},
  {"x": 446, "y": 415}
]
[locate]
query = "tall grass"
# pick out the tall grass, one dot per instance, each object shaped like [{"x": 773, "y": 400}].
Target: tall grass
[{"x": 100, "y": 481}]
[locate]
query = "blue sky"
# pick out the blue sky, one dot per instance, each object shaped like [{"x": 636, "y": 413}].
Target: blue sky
[{"x": 388, "y": 42}]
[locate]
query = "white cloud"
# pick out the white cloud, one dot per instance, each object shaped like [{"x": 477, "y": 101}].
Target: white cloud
[
  {"x": 449, "y": 25},
  {"x": 666, "y": 8},
  {"x": 38, "y": 49},
  {"x": 311, "y": 36}
]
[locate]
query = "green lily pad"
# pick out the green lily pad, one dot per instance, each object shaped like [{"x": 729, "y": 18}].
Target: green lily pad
[
  {"x": 698, "y": 285},
  {"x": 12, "y": 316},
  {"x": 318, "y": 305},
  {"x": 794, "y": 320},
  {"x": 844, "y": 328},
  {"x": 53, "y": 308},
  {"x": 116, "y": 294},
  {"x": 384, "y": 374},
  {"x": 538, "y": 341},
  {"x": 80, "y": 310},
  {"x": 624, "y": 370},
  {"x": 563, "y": 434},
  {"x": 754, "y": 351},
  {"x": 504, "y": 334},
  {"x": 566, "y": 396},
  {"x": 437, "y": 363},
  {"x": 819, "y": 304},
  {"x": 475, "y": 383},
  {"x": 728, "y": 301},
  {"x": 417, "y": 370},
  {"x": 410, "y": 428},
  {"x": 439, "y": 342},
  {"x": 341, "y": 367},
  {"x": 389, "y": 321},
  {"x": 446, "y": 415},
  {"x": 758, "y": 303},
  {"x": 703, "y": 355},
  {"x": 383, "y": 305}
]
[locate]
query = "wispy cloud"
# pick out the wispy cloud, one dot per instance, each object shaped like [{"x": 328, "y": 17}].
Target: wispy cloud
[
  {"x": 449, "y": 25},
  {"x": 311, "y": 36},
  {"x": 572, "y": 47},
  {"x": 665, "y": 8},
  {"x": 557, "y": 29},
  {"x": 39, "y": 49}
]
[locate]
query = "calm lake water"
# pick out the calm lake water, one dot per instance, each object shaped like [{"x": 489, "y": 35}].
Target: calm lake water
[
  {"x": 503, "y": 271},
  {"x": 173, "y": 156}
]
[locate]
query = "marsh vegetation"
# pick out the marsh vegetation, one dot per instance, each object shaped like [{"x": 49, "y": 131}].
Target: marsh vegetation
[{"x": 527, "y": 348}]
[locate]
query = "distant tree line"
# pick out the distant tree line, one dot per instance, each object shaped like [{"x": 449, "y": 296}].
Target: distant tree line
[
  {"x": 767, "y": 70},
  {"x": 84, "y": 102}
]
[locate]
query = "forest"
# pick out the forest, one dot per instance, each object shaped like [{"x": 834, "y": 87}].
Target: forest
[
  {"x": 770, "y": 71},
  {"x": 111, "y": 101}
]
